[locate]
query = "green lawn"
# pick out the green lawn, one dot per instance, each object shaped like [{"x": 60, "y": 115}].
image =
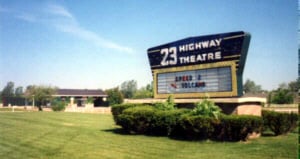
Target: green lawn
[{"x": 76, "y": 135}]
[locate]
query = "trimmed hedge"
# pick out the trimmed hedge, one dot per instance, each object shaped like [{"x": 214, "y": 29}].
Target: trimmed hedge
[
  {"x": 116, "y": 110},
  {"x": 163, "y": 121},
  {"x": 148, "y": 120},
  {"x": 136, "y": 119},
  {"x": 194, "y": 127},
  {"x": 279, "y": 123},
  {"x": 238, "y": 127},
  {"x": 227, "y": 128},
  {"x": 181, "y": 123}
]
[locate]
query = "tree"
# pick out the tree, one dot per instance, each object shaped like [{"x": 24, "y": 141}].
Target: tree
[
  {"x": 8, "y": 90},
  {"x": 251, "y": 87},
  {"x": 114, "y": 96},
  {"x": 283, "y": 86},
  {"x": 294, "y": 86},
  {"x": 149, "y": 87},
  {"x": 144, "y": 92},
  {"x": 128, "y": 88},
  {"x": 41, "y": 94},
  {"x": 282, "y": 96},
  {"x": 19, "y": 91}
]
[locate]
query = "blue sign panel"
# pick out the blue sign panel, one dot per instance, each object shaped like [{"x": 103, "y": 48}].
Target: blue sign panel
[
  {"x": 200, "y": 50},
  {"x": 194, "y": 66}
]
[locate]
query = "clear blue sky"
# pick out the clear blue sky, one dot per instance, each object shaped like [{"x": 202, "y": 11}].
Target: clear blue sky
[{"x": 100, "y": 44}]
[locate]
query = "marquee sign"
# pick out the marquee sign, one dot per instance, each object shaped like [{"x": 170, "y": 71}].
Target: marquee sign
[{"x": 192, "y": 67}]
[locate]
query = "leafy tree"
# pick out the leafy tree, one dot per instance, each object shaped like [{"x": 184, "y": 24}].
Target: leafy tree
[
  {"x": 149, "y": 87},
  {"x": 19, "y": 91},
  {"x": 283, "y": 86},
  {"x": 8, "y": 90},
  {"x": 283, "y": 95},
  {"x": 251, "y": 87},
  {"x": 41, "y": 94},
  {"x": 29, "y": 87},
  {"x": 114, "y": 96},
  {"x": 144, "y": 92},
  {"x": 294, "y": 86},
  {"x": 128, "y": 88}
]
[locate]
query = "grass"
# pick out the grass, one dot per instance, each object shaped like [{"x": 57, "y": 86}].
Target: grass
[{"x": 76, "y": 135}]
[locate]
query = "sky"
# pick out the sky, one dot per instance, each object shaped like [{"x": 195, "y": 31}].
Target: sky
[{"x": 99, "y": 44}]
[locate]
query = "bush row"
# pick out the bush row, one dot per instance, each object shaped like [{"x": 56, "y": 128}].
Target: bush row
[
  {"x": 149, "y": 120},
  {"x": 118, "y": 109},
  {"x": 279, "y": 123},
  {"x": 226, "y": 128},
  {"x": 181, "y": 123},
  {"x": 185, "y": 124}
]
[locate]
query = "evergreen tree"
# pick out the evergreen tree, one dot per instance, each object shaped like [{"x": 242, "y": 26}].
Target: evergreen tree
[
  {"x": 8, "y": 90},
  {"x": 19, "y": 91}
]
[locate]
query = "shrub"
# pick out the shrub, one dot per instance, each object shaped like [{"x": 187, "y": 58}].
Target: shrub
[
  {"x": 163, "y": 121},
  {"x": 227, "y": 128},
  {"x": 207, "y": 108},
  {"x": 194, "y": 127},
  {"x": 279, "y": 123},
  {"x": 149, "y": 120},
  {"x": 57, "y": 105},
  {"x": 136, "y": 119},
  {"x": 182, "y": 123},
  {"x": 237, "y": 127},
  {"x": 118, "y": 109}
]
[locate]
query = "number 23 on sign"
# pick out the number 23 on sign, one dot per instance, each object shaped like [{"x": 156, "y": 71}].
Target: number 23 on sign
[{"x": 169, "y": 56}]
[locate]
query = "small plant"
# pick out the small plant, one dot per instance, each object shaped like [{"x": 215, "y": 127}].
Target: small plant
[
  {"x": 168, "y": 105},
  {"x": 207, "y": 108},
  {"x": 58, "y": 105},
  {"x": 90, "y": 100}
]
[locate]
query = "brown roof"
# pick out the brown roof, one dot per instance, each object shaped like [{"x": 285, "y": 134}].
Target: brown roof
[{"x": 80, "y": 92}]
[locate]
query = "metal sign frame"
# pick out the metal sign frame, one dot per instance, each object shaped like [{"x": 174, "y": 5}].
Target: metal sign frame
[{"x": 233, "y": 91}]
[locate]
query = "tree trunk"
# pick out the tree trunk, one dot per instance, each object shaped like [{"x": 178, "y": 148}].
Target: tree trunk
[{"x": 40, "y": 107}]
